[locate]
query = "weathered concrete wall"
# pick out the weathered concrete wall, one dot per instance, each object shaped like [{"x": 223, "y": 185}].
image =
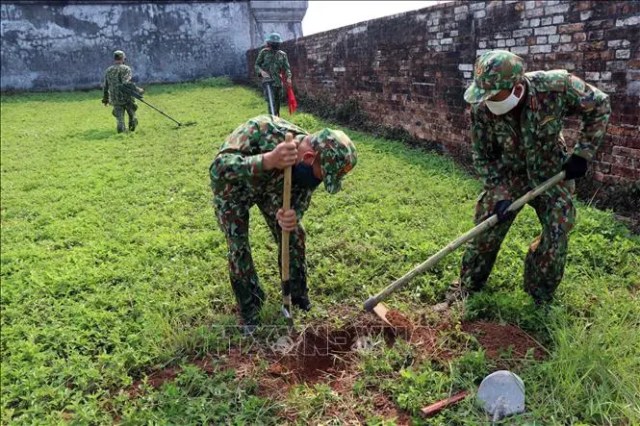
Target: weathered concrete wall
[
  {"x": 284, "y": 17},
  {"x": 48, "y": 45},
  {"x": 410, "y": 71}
]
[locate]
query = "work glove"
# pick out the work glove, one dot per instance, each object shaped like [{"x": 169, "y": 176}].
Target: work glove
[
  {"x": 500, "y": 209},
  {"x": 575, "y": 167}
]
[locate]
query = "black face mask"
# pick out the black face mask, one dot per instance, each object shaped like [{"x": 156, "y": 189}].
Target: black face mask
[
  {"x": 274, "y": 46},
  {"x": 303, "y": 176}
]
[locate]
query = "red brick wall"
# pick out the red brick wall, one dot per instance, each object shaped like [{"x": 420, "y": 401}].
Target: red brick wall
[{"x": 409, "y": 71}]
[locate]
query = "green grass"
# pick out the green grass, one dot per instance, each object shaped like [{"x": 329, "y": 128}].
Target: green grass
[{"x": 113, "y": 266}]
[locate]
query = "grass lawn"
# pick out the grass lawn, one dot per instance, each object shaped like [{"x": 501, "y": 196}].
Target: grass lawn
[{"x": 116, "y": 305}]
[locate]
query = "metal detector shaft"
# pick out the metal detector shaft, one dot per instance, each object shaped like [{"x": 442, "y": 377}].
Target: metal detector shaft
[
  {"x": 170, "y": 118},
  {"x": 370, "y": 303},
  {"x": 139, "y": 97},
  {"x": 269, "y": 89}
]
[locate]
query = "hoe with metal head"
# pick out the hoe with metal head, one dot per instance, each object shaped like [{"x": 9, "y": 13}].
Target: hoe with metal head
[{"x": 373, "y": 303}]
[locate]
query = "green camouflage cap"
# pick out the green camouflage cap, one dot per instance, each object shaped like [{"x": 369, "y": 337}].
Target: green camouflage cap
[
  {"x": 494, "y": 71},
  {"x": 337, "y": 156},
  {"x": 274, "y": 38},
  {"x": 118, "y": 54}
]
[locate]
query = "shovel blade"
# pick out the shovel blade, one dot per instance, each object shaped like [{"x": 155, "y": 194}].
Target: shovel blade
[
  {"x": 381, "y": 311},
  {"x": 286, "y": 312}
]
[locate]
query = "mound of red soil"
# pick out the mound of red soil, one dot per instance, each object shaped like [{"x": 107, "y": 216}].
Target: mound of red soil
[
  {"x": 402, "y": 326},
  {"x": 319, "y": 351},
  {"x": 498, "y": 339}
]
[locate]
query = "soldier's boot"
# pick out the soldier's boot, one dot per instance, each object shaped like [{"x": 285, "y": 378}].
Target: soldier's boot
[
  {"x": 299, "y": 291},
  {"x": 133, "y": 123},
  {"x": 250, "y": 312},
  {"x": 120, "y": 128},
  {"x": 454, "y": 296},
  {"x": 302, "y": 302}
]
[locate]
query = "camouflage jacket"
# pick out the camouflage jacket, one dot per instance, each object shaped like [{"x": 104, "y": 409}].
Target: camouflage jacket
[
  {"x": 273, "y": 63},
  {"x": 507, "y": 149},
  {"x": 117, "y": 85},
  {"x": 237, "y": 172}
]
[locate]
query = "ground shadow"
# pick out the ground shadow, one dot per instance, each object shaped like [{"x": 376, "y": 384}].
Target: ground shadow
[{"x": 95, "y": 134}]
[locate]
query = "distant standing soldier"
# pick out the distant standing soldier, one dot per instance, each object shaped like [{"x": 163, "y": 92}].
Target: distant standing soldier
[
  {"x": 516, "y": 131},
  {"x": 119, "y": 91},
  {"x": 270, "y": 64},
  {"x": 247, "y": 171}
]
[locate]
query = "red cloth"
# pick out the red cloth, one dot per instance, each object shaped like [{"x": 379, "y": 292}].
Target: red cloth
[{"x": 291, "y": 98}]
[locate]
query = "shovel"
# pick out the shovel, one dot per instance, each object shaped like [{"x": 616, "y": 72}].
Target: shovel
[
  {"x": 286, "y": 284},
  {"x": 373, "y": 303}
]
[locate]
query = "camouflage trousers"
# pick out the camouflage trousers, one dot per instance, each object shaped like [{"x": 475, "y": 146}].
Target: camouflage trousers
[
  {"x": 118, "y": 113},
  {"x": 233, "y": 218},
  {"x": 545, "y": 260}
]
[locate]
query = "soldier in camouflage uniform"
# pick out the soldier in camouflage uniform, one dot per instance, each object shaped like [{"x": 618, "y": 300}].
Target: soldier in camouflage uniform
[
  {"x": 517, "y": 144},
  {"x": 247, "y": 171},
  {"x": 270, "y": 63},
  {"x": 118, "y": 91}
]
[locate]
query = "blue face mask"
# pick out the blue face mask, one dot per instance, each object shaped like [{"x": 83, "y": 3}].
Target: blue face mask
[{"x": 303, "y": 176}]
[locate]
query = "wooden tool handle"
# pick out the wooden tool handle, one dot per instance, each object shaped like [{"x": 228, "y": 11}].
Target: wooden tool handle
[
  {"x": 286, "y": 205},
  {"x": 438, "y": 406},
  {"x": 371, "y": 302}
]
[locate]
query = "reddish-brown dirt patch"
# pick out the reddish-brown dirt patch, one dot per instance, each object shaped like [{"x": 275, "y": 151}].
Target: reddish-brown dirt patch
[
  {"x": 387, "y": 409},
  {"x": 319, "y": 351},
  {"x": 402, "y": 324},
  {"x": 498, "y": 339},
  {"x": 235, "y": 360},
  {"x": 423, "y": 337},
  {"x": 155, "y": 380}
]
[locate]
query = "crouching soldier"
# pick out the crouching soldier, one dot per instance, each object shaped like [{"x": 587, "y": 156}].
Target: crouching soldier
[{"x": 247, "y": 171}]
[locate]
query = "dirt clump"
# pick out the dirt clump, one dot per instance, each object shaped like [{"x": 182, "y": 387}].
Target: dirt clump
[
  {"x": 402, "y": 326},
  {"x": 498, "y": 339}
]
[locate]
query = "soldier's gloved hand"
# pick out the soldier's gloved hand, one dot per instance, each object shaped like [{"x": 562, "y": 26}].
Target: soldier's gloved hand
[
  {"x": 284, "y": 155},
  {"x": 287, "y": 219},
  {"x": 500, "y": 209},
  {"x": 575, "y": 167}
]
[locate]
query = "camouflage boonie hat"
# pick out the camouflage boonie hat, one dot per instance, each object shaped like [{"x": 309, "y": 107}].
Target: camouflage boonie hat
[
  {"x": 274, "y": 38},
  {"x": 337, "y": 156},
  {"x": 494, "y": 71},
  {"x": 118, "y": 54}
]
